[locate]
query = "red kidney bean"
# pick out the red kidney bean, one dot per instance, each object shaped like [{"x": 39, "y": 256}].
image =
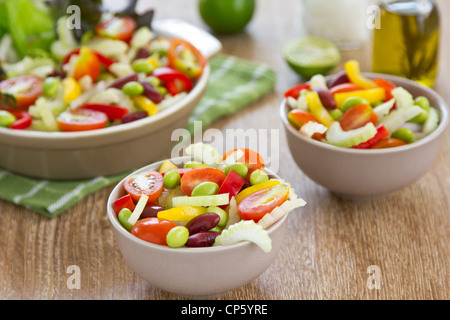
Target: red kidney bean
[
  {"x": 202, "y": 239},
  {"x": 151, "y": 92},
  {"x": 340, "y": 78},
  {"x": 150, "y": 211},
  {"x": 119, "y": 83},
  {"x": 142, "y": 53},
  {"x": 134, "y": 116},
  {"x": 202, "y": 223},
  {"x": 326, "y": 98}
]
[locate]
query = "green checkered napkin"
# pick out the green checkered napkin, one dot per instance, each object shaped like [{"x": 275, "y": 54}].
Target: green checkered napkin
[{"x": 234, "y": 84}]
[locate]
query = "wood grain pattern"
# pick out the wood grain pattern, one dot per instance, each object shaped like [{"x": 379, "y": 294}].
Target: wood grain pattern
[{"x": 329, "y": 244}]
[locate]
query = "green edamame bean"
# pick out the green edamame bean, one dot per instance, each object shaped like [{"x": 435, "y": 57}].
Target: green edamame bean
[
  {"x": 336, "y": 114},
  {"x": 50, "y": 86},
  {"x": 216, "y": 229},
  {"x": 133, "y": 88},
  {"x": 424, "y": 103},
  {"x": 142, "y": 66},
  {"x": 154, "y": 81},
  {"x": 240, "y": 168},
  {"x": 206, "y": 188},
  {"x": 258, "y": 176},
  {"x": 172, "y": 179},
  {"x": 222, "y": 214},
  {"x": 177, "y": 237},
  {"x": 124, "y": 215},
  {"x": 6, "y": 118},
  {"x": 351, "y": 102},
  {"x": 404, "y": 134},
  {"x": 195, "y": 165}
]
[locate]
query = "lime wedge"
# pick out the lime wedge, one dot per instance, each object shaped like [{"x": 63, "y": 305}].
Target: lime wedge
[{"x": 311, "y": 55}]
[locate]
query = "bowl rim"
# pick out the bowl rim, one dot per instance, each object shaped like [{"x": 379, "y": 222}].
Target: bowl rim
[
  {"x": 168, "y": 112},
  {"x": 442, "y": 108},
  {"x": 183, "y": 250}
]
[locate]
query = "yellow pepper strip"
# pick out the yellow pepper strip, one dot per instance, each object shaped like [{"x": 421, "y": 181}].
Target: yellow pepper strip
[
  {"x": 371, "y": 95},
  {"x": 248, "y": 191},
  {"x": 71, "y": 89},
  {"x": 154, "y": 61},
  {"x": 317, "y": 109},
  {"x": 146, "y": 104},
  {"x": 355, "y": 76},
  {"x": 183, "y": 213},
  {"x": 166, "y": 166}
]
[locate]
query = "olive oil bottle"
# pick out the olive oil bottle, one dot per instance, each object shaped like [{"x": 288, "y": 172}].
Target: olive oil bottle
[{"x": 406, "y": 43}]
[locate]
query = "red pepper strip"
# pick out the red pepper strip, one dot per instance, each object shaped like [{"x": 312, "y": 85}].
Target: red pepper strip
[
  {"x": 174, "y": 81},
  {"x": 382, "y": 132},
  {"x": 113, "y": 112},
  {"x": 294, "y": 92},
  {"x": 124, "y": 202},
  {"x": 387, "y": 85},
  {"x": 23, "y": 121},
  {"x": 232, "y": 184},
  {"x": 104, "y": 60}
]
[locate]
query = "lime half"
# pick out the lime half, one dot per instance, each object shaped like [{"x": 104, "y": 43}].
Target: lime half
[{"x": 311, "y": 55}]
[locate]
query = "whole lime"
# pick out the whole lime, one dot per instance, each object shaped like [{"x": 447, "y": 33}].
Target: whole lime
[{"x": 226, "y": 16}]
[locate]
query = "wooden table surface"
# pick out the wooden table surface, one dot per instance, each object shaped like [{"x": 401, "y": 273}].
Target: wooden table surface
[{"x": 329, "y": 244}]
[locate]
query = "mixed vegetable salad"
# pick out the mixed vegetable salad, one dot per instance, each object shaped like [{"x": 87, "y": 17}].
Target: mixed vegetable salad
[
  {"x": 117, "y": 73},
  {"x": 353, "y": 111},
  {"x": 212, "y": 200}
]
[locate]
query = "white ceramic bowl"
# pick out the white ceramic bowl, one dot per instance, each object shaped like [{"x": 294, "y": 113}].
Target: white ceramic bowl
[
  {"x": 368, "y": 174},
  {"x": 108, "y": 151},
  {"x": 196, "y": 273}
]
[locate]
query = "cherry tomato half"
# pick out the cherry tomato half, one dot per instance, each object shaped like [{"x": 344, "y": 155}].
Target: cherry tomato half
[
  {"x": 298, "y": 118},
  {"x": 23, "y": 90},
  {"x": 357, "y": 117},
  {"x": 150, "y": 183},
  {"x": 117, "y": 28},
  {"x": 193, "y": 178},
  {"x": 258, "y": 204},
  {"x": 186, "y": 58},
  {"x": 81, "y": 120},
  {"x": 252, "y": 159},
  {"x": 87, "y": 64},
  {"x": 344, "y": 87},
  {"x": 388, "y": 143},
  {"x": 153, "y": 230}
]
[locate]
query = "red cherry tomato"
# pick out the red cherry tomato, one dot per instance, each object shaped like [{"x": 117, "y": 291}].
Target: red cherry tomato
[
  {"x": 193, "y": 178},
  {"x": 153, "y": 230},
  {"x": 149, "y": 183},
  {"x": 117, "y": 28},
  {"x": 344, "y": 87},
  {"x": 258, "y": 204},
  {"x": 357, "y": 117},
  {"x": 22, "y": 91},
  {"x": 388, "y": 143},
  {"x": 250, "y": 158},
  {"x": 81, "y": 120},
  {"x": 186, "y": 58},
  {"x": 298, "y": 117}
]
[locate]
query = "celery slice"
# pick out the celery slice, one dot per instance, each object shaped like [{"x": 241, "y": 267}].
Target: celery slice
[
  {"x": 432, "y": 122},
  {"x": 138, "y": 210},
  {"x": 233, "y": 213},
  {"x": 399, "y": 117},
  {"x": 312, "y": 127},
  {"x": 245, "y": 230},
  {"x": 46, "y": 114},
  {"x": 403, "y": 98},
  {"x": 346, "y": 139},
  {"x": 383, "y": 109},
  {"x": 202, "y": 201}
]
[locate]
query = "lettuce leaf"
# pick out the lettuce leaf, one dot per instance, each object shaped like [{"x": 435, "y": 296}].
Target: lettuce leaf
[{"x": 30, "y": 25}]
